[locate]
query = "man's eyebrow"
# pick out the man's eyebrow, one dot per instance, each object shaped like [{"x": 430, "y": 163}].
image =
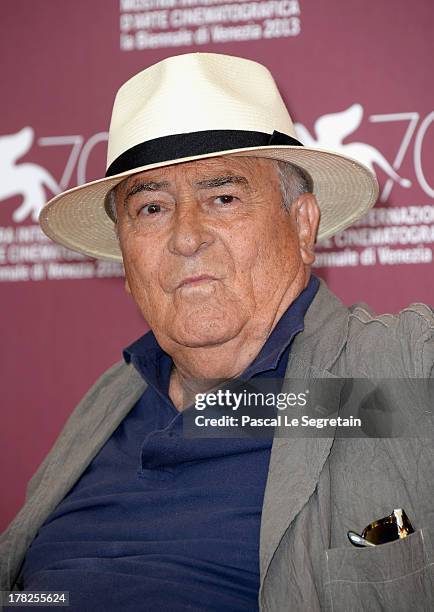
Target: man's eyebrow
[
  {"x": 218, "y": 181},
  {"x": 142, "y": 186},
  {"x": 223, "y": 180}
]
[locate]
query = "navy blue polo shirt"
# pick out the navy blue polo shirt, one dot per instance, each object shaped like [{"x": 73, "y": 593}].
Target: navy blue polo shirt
[{"x": 159, "y": 521}]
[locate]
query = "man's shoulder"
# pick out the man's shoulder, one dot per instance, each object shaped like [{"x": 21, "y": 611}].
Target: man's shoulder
[
  {"x": 400, "y": 344},
  {"x": 113, "y": 379},
  {"x": 354, "y": 341},
  {"x": 111, "y": 374},
  {"x": 415, "y": 315},
  {"x": 104, "y": 405}
]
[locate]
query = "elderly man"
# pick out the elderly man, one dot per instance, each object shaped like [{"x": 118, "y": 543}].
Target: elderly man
[{"x": 214, "y": 207}]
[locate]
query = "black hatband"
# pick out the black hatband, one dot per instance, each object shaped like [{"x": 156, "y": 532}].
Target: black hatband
[{"x": 191, "y": 144}]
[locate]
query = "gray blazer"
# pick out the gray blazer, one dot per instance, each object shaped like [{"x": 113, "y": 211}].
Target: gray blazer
[{"x": 317, "y": 488}]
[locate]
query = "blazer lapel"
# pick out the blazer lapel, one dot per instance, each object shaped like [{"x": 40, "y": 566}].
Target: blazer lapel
[{"x": 296, "y": 462}]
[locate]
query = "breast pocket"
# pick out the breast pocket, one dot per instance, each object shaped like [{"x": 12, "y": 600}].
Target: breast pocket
[{"x": 395, "y": 577}]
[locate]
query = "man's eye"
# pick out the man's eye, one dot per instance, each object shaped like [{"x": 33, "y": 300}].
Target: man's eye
[
  {"x": 150, "y": 209},
  {"x": 224, "y": 199}
]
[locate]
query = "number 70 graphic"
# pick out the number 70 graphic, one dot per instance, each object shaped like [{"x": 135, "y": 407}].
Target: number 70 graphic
[
  {"x": 78, "y": 157},
  {"x": 412, "y": 119}
]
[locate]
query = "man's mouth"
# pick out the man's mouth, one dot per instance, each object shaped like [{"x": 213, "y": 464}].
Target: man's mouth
[{"x": 196, "y": 280}]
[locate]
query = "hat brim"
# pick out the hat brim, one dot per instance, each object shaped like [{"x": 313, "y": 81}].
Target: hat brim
[{"x": 345, "y": 190}]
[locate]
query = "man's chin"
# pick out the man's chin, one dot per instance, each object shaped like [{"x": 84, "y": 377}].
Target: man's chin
[
  {"x": 199, "y": 331},
  {"x": 197, "y": 338}
]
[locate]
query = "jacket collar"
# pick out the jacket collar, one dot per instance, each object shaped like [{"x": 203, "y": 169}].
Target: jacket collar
[{"x": 325, "y": 332}]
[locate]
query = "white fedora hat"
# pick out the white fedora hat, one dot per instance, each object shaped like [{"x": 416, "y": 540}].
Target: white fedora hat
[{"x": 193, "y": 106}]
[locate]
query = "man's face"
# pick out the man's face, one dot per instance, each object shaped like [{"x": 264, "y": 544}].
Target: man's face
[{"x": 208, "y": 248}]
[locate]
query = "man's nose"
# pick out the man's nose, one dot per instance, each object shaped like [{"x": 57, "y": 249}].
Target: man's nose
[{"x": 189, "y": 232}]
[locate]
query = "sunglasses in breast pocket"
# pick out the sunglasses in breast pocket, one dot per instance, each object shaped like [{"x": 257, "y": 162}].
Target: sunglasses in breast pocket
[{"x": 395, "y": 526}]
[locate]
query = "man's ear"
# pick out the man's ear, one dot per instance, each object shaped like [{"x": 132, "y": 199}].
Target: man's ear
[{"x": 307, "y": 215}]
